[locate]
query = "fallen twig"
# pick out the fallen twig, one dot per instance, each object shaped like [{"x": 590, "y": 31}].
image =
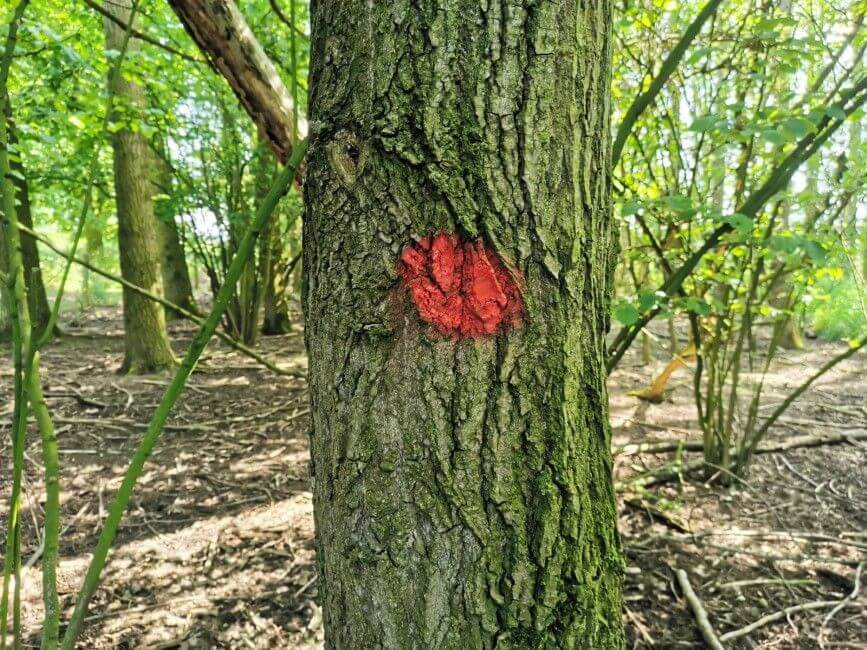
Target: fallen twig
[
  {"x": 848, "y": 599},
  {"x": 698, "y": 611},
  {"x": 739, "y": 584},
  {"x": 783, "y": 613},
  {"x": 642, "y": 629},
  {"x": 673, "y": 470}
]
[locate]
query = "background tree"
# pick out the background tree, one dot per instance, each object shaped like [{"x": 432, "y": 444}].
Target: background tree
[
  {"x": 38, "y": 299},
  {"x": 177, "y": 286},
  {"x": 147, "y": 344}
]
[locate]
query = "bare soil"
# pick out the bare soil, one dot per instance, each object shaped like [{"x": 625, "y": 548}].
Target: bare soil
[{"x": 216, "y": 550}]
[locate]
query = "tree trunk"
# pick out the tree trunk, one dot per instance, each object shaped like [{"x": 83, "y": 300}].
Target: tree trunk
[
  {"x": 147, "y": 346},
  {"x": 856, "y": 158},
  {"x": 5, "y": 293},
  {"x": 277, "y": 241},
  {"x": 463, "y": 494},
  {"x": 177, "y": 287},
  {"x": 275, "y": 317},
  {"x": 93, "y": 247},
  {"x": 37, "y": 299}
]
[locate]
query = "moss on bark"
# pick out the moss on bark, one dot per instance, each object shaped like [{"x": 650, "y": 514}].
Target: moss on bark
[{"x": 462, "y": 489}]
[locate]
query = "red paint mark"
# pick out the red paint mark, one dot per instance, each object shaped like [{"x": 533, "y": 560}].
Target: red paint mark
[{"x": 462, "y": 288}]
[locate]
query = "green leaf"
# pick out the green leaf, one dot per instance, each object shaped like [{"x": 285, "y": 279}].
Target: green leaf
[
  {"x": 679, "y": 204},
  {"x": 740, "y": 222},
  {"x": 705, "y": 123},
  {"x": 784, "y": 244},
  {"x": 630, "y": 207},
  {"x": 774, "y": 137},
  {"x": 697, "y": 306},
  {"x": 798, "y": 126},
  {"x": 647, "y": 300},
  {"x": 815, "y": 251},
  {"x": 698, "y": 55},
  {"x": 626, "y": 314}
]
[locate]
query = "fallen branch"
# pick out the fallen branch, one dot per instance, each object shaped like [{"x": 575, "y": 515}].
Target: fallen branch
[
  {"x": 633, "y": 449},
  {"x": 673, "y": 470},
  {"x": 783, "y": 613},
  {"x": 698, "y": 610},
  {"x": 757, "y": 582},
  {"x": 848, "y": 599}
]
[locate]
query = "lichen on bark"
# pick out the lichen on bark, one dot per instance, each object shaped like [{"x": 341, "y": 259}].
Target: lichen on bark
[{"x": 462, "y": 488}]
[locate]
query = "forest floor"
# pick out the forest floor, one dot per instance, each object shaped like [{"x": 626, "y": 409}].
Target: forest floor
[{"x": 217, "y": 548}]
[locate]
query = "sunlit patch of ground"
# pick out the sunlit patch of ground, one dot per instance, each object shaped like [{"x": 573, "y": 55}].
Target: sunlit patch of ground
[{"x": 217, "y": 550}]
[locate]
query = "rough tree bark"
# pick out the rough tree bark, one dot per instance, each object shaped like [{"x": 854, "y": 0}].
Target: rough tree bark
[
  {"x": 462, "y": 486},
  {"x": 147, "y": 346},
  {"x": 177, "y": 287}
]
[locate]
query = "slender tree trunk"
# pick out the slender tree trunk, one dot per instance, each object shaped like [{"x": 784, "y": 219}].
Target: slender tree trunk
[
  {"x": 177, "y": 287},
  {"x": 275, "y": 317},
  {"x": 462, "y": 483},
  {"x": 781, "y": 297},
  {"x": 36, "y": 296},
  {"x": 93, "y": 247},
  {"x": 147, "y": 344},
  {"x": 856, "y": 158},
  {"x": 276, "y": 255},
  {"x": 791, "y": 337},
  {"x": 5, "y": 294}
]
